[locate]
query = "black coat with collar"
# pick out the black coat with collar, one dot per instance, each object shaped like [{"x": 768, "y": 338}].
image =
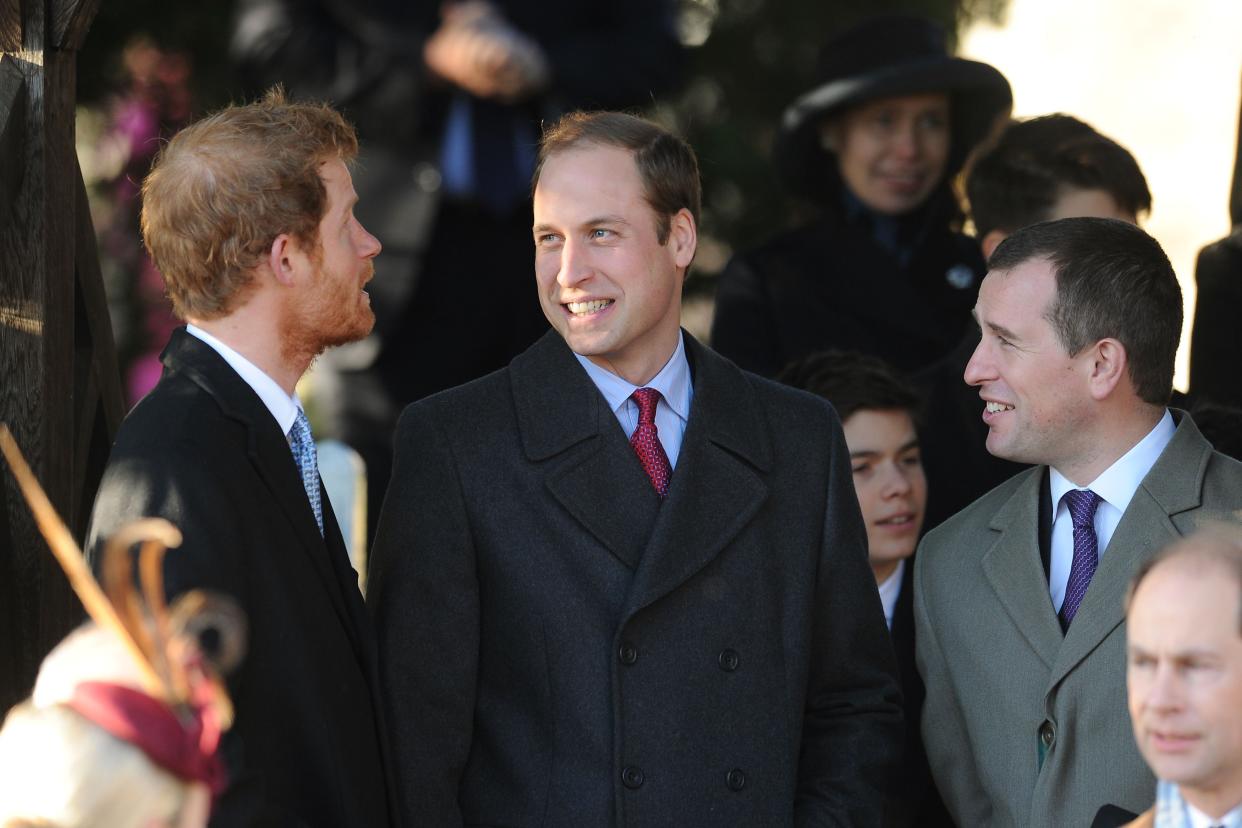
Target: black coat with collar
[
  {"x": 202, "y": 450},
  {"x": 830, "y": 285},
  {"x": 561, "y": 648}
]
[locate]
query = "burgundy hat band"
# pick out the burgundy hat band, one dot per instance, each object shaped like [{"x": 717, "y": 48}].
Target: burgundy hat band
[{"x": 185, "y": 747}]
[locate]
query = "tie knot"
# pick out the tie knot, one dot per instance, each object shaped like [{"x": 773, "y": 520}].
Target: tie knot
[
  {"x": 646, "y": 398},
  {"x": 300, "y": 431},
  {"x": 1082, "y": 504}
]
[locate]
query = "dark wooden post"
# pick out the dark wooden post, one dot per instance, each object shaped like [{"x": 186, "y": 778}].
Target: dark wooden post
[{"x": 59, "y": 386}]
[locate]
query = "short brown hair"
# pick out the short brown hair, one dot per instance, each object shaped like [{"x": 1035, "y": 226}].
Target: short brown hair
[
  {"x": 1113, "y": 280},
  {"x": 666, "y": 164},
  {"x": 225, "y": 187}
]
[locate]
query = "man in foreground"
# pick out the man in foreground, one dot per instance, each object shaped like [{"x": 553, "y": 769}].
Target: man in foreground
[
  {"x": 1018, "y": 597},
  {"x": 622, "y": 582},
  {"x": 249, "y": 216}
]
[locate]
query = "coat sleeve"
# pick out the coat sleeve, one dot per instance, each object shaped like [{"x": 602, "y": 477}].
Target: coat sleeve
[
  {"x": 743, "y": 328},
  {"x": 852, "y": 737},
  {"x": 944, "y": 727},
  {"x": 424, "y": 596}
]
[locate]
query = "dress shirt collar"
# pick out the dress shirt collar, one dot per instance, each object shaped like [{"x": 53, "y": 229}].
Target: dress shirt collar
[
  {"x": 673, "y": 383},
  {"x": 1117, "y": 484},
  {"x": 283, "y": 407},
  {"x": 1198, "y": 819},
  {"x": 890, "y": 589}
]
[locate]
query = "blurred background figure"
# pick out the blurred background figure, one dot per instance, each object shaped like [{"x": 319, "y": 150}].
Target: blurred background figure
[
  {"x": 90, "y": 748},
  {"x": 884, "y": 270},
  {"x": 1216, "y": 339},
  {"x": 1184, "y": 679},
  {"x": 1039, "y": 169},
  {"x": 448, "y": 99},
  {"x": 1051, "y": 167},
  {"x": 878, "y": 414}
]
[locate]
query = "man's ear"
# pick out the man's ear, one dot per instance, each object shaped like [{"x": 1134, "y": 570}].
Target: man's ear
[
  {"x": 1109, "y": 367},
  {"x": 990, "y": 241},
  {"x": 280, "y": 259},
  {"x": 683, "y": 237}
]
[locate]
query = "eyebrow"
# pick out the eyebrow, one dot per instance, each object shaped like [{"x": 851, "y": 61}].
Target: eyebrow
[
  {"x": 591, "y": 222},
  {"x": 993, "y": 327}
]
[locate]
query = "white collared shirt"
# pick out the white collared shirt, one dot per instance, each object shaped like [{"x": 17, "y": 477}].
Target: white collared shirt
[
  {"x": 1116, "y": 486},
  {"x": 1198, "y": 819},
  {"x": 676, "y": 394},
  {"x": 890, "y": 589},
  {"x": 283, "y": 407}
]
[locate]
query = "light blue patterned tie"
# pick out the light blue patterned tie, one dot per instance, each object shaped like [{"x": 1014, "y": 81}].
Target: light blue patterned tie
[{"x": 303, "y": 446}]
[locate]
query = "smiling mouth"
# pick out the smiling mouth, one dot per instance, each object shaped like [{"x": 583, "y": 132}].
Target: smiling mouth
[
  {"x": 996, "y": 408},
  {"x": 587, "y": 308},
  {"x": 896, "y": 520}
]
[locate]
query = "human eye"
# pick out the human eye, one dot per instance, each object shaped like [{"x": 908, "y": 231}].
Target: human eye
[
  {"x": 861, "y": 468},
  {"x": 912, "y": 460},
  {"x": 547, "y": 239},
  {"x": 931, "y": 121},
  {"x": 601, "y": 233}
]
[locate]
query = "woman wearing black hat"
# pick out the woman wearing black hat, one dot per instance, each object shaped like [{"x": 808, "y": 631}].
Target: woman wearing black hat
[{"x": 883, "y": 270}]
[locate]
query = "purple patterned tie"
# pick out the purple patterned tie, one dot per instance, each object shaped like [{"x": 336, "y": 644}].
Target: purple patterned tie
[
  {"x": 646, "y": 440},
  {"x": 1082, "y": 504}
]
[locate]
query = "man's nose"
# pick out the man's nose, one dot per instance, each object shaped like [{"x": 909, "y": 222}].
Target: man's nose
[
  {"x": 368, "y": 245},
  {"x": 979, "y": 369},
  {"x": 575, "y": 265}
]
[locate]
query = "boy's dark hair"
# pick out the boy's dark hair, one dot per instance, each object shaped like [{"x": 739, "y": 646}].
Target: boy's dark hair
[
  {"x": 852, "y": 382},
  {"x": 1016, "y": 180}
]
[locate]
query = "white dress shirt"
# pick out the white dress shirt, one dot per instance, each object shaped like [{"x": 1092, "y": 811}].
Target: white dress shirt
[
  {"x": 1198, "y": 819},
  {"x": 283, "y": 407},
  {"x": 1116, "y": 486},
  {"x": 673, "y": 410},
  {"x": 890, "y": 589}
]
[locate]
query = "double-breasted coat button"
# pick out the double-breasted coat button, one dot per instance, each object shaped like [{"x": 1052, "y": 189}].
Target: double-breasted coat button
[
  {"x": 632, "y": 777},
  {"x": 735, "y": 779},
  {"x": 1046, "y": 733},
  {"x": 728, "y": 660},
  {"x": 628, "y": 653}
]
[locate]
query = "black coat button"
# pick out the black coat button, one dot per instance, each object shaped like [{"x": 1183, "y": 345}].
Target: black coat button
[
  {"x": 735, "y": 779},
  {"x": 1046, "y": 734},
  {"x": 728, "y": 660},
  {"x": 628, "y": 653},
  {"x": 632, "y": 777}
]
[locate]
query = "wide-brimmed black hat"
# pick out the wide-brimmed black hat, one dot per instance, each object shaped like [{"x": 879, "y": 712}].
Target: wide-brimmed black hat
[{"x": 880, "y": 58}]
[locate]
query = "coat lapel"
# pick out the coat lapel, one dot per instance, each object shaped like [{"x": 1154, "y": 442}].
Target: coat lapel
[
  {"x": 717, "y": 486},
  {"x": 593, "y": 472},
  {"x": 269, "y": 454},
  {"x": 1013, "y": 569},
  {"x": 1173, "y": 485}
]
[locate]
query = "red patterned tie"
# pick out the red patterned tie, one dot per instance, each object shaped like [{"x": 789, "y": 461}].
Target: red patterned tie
[{"x": 646, "y": 441}]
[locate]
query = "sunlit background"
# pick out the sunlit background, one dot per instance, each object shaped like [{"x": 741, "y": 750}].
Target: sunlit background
[{"x": 1161, "y": 77}]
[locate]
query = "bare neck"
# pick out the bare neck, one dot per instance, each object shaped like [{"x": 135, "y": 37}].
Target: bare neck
[{"x": 252, "y": 331}]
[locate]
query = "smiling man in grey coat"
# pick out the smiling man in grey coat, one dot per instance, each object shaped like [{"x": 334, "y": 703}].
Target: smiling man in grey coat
[
  {"x": 1018, "y": 598},
  {"x": 622, "y": 582}
]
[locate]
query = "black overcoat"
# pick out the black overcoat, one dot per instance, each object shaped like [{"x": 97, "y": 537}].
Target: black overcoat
[
  {"x": 561, "y": 648},
  {"x": 830, "y": 285},
  {"x": 203, "y": 451}
]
